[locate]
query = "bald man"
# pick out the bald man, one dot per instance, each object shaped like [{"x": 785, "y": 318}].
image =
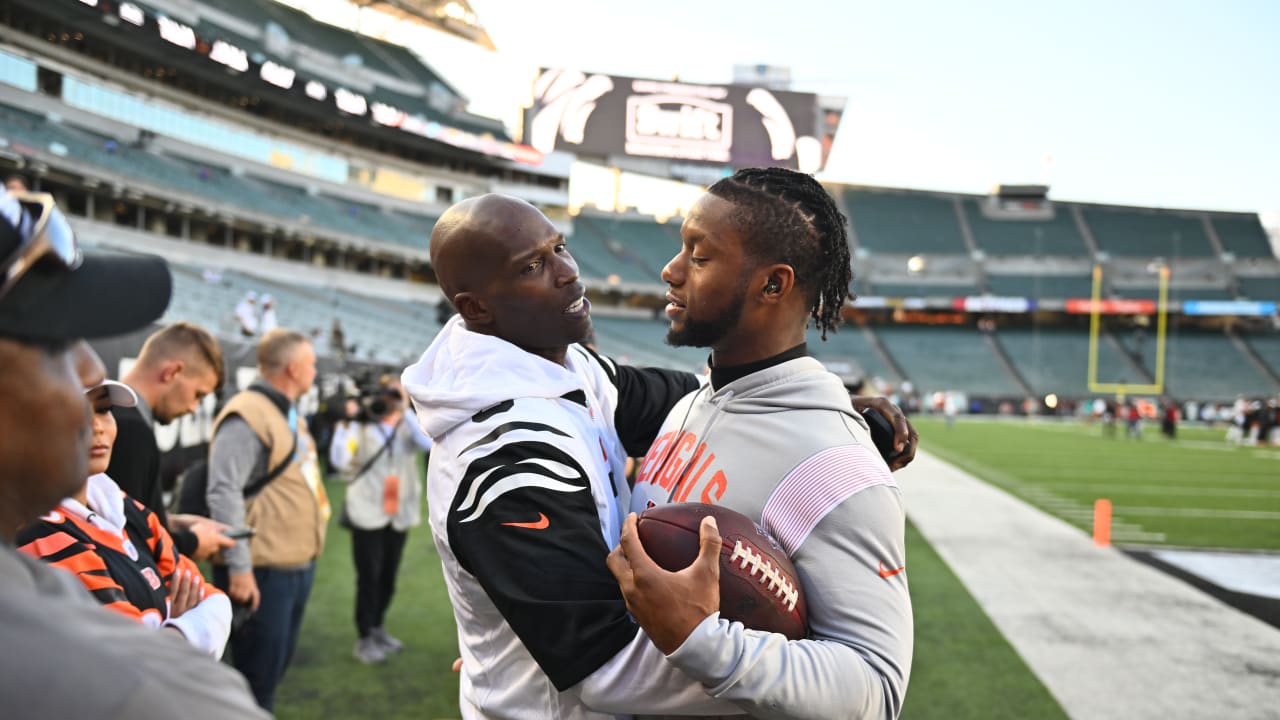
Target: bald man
[{"x": 526, "y": 486}]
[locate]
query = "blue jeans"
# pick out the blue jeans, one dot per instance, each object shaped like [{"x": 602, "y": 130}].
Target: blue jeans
[{"x": 262, "y": 648}]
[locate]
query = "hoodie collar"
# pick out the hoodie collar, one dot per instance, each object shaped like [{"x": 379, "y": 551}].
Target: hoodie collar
[
  {"x": 463, "y": 372},
  {"x": 721, "y": 376}
]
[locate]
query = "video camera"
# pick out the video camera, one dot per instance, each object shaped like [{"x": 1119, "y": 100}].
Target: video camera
[{"x": 377, "y": 400}]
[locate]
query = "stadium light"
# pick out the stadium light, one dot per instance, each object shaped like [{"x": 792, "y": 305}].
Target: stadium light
[
  {"x": 131, "y": 13},
  {"x": 278, "y": 75},
  {"x": 349, "y": 102},
  {"x": 227, "y": 54},
  {"x": 176, "y": 33},
  {"x": 316, "y": 90}
]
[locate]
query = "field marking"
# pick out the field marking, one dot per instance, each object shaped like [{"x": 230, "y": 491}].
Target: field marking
[
  {"x": 1205, "y": 513},
  {"x": 1165, "y": 490}
]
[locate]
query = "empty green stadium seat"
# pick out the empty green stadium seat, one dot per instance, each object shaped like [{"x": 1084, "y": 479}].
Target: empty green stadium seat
[
  {"x": 1243, "y": 236},
  {"x": 1260, "y": 288},
  {"x": 947, "y": 358},
  {"x": 1129, "y": 232},
  {"x": 1025, "y": 237},
  {"x": 1041, "y": 286},
  {"x": 905, "y": 223}
]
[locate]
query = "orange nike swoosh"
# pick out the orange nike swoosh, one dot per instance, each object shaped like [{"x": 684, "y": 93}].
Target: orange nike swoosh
[
  {"x": 890, "y": 573},
  {"x": 541, "y": 523}
]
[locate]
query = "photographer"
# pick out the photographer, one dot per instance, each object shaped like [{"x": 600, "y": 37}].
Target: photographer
[{"x": 376, "y": 450}]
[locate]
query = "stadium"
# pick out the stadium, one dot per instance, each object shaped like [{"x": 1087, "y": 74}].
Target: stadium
[{"x": 263, "y": 151}]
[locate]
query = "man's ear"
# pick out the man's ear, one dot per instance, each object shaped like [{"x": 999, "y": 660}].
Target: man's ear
[
  {"x": 474, "y": 310},
  {"x": 778, "y": 282},
  {"x": 170, "y": 370}
]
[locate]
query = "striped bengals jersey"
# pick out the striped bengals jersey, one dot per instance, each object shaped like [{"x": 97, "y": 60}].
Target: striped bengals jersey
[
  {"x": 526, "y": 495},
  {"x": 127, "y": 570}
]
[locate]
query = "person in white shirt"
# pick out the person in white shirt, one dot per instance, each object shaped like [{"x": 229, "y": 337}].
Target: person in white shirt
[
  {"x": 247, "y": 314},
  {"x": 377, "y": 451}
]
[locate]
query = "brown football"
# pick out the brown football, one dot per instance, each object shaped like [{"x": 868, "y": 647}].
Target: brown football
[{"x": 759, "y": 586}]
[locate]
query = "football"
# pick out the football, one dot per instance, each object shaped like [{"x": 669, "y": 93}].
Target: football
[{"x": 759, "y": 586}]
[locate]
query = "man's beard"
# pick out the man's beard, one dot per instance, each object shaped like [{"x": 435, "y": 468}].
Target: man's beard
[{"x": 706, "y": 333}]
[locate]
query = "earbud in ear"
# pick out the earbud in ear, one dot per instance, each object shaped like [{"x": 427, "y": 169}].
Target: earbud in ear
[{"x": 772, "y": 287}]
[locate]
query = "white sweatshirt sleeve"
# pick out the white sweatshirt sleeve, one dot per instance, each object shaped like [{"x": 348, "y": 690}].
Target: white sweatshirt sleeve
[{"x": 207, "y": 625}]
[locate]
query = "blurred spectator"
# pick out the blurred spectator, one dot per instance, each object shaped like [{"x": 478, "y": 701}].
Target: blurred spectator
[
  {"x": 1134, "y": 418},
  {"x": 338, "y": 340},
  {"x": 176, "y": 368},
  {"x": 268, "y": 321},
  {"x": 247, "y": 314},
  {"x": 264, "y": 474},
  {"x": 15, "y": 183},
  {"x": 377, "y": 450}
]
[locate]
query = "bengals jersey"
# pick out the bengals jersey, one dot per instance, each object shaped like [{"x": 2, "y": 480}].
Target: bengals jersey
[{"x": 128, "y": 571}]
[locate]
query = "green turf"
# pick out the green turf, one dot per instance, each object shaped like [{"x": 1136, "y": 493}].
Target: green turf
[
  {"x": 1196, "y": 491},
  {"x": 325, "y": 681},
  {"x": 963, "y": 668}
]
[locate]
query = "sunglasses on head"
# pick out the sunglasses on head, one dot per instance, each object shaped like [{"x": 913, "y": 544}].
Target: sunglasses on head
[{"x": 44, "y": 233}]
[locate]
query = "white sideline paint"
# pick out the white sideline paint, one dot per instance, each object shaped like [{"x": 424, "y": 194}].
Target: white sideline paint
[{"x": 1109, "y": 636}]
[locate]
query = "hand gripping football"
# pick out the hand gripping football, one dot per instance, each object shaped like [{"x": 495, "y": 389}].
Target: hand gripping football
[{"x": 759, "y": 586}]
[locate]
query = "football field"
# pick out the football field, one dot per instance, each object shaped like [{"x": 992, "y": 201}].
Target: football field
[{"x": 1196, "y": 491}]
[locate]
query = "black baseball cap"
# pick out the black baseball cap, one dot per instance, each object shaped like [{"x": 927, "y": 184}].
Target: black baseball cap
[{"x": 66, "y": 295}]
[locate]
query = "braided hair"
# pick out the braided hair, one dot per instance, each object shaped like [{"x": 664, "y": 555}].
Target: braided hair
[{"x": 786, "y": 216}]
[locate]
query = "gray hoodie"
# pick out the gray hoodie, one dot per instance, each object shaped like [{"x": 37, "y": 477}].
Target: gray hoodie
[{"x": 784, "y": 447}]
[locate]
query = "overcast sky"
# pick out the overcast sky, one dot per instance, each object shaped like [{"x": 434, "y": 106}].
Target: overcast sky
[{"x": 1172, "y": 104}]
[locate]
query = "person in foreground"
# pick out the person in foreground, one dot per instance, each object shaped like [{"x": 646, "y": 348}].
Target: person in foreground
[
  {"x": 775, "y": 437},
  {"x": 120, "y": 550},
  {"x": 525, "y": 483},
  {"x": 63, "y": 652}
]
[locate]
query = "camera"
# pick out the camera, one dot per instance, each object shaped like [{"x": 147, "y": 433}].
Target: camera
[{"x": 376, "y": 400}]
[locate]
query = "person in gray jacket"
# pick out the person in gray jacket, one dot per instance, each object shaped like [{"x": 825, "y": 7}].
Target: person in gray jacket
[
  {"x": 63, "y": 653},
  {"x": 775, "y": 437}
]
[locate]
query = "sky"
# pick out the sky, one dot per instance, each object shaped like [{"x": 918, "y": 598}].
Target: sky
[{"x": 1166, "y": 104}]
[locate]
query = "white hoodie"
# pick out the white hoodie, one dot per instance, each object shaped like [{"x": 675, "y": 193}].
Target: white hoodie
[{"x": 526, "y": 495}]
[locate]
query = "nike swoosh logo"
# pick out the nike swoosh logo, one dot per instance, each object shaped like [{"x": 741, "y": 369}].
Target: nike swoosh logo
[
  {"x": 885, "y": 573},
  {"x": 540, "y": 524}
]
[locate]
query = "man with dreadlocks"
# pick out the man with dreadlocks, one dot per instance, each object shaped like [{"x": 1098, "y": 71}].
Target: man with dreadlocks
[{"x": 773, "y": 436}]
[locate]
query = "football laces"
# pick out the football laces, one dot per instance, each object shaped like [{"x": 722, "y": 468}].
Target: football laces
[{"x": 769, "y": 576}]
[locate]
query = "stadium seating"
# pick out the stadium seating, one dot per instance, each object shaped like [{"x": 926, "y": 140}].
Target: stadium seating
[
  {"x": 940, "y": 358},
  {"x": 1132, "y": 232},
  {"x": 642, "y": 342},
  {"x": 287, "y": 203},
  {"x": 904, "y": 223},
  {"x": 635, "y": 250},
  {"x": 850, "y": 345},
  {"x": 383, "y": 57},
  {"x": 1056, "y": 360},
  {"x": 1041, "y": 286},
  {"x": 1266, "y": 347},
  {"x": 1243, "y": 236},
  {"x": 380, "y": 330},
  {"x": 1208, "y": 366},
  {"x": 1260, "y": 288},
  {"x": 903, "y": 289},
  {"x": 1058, "y": 236}
]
